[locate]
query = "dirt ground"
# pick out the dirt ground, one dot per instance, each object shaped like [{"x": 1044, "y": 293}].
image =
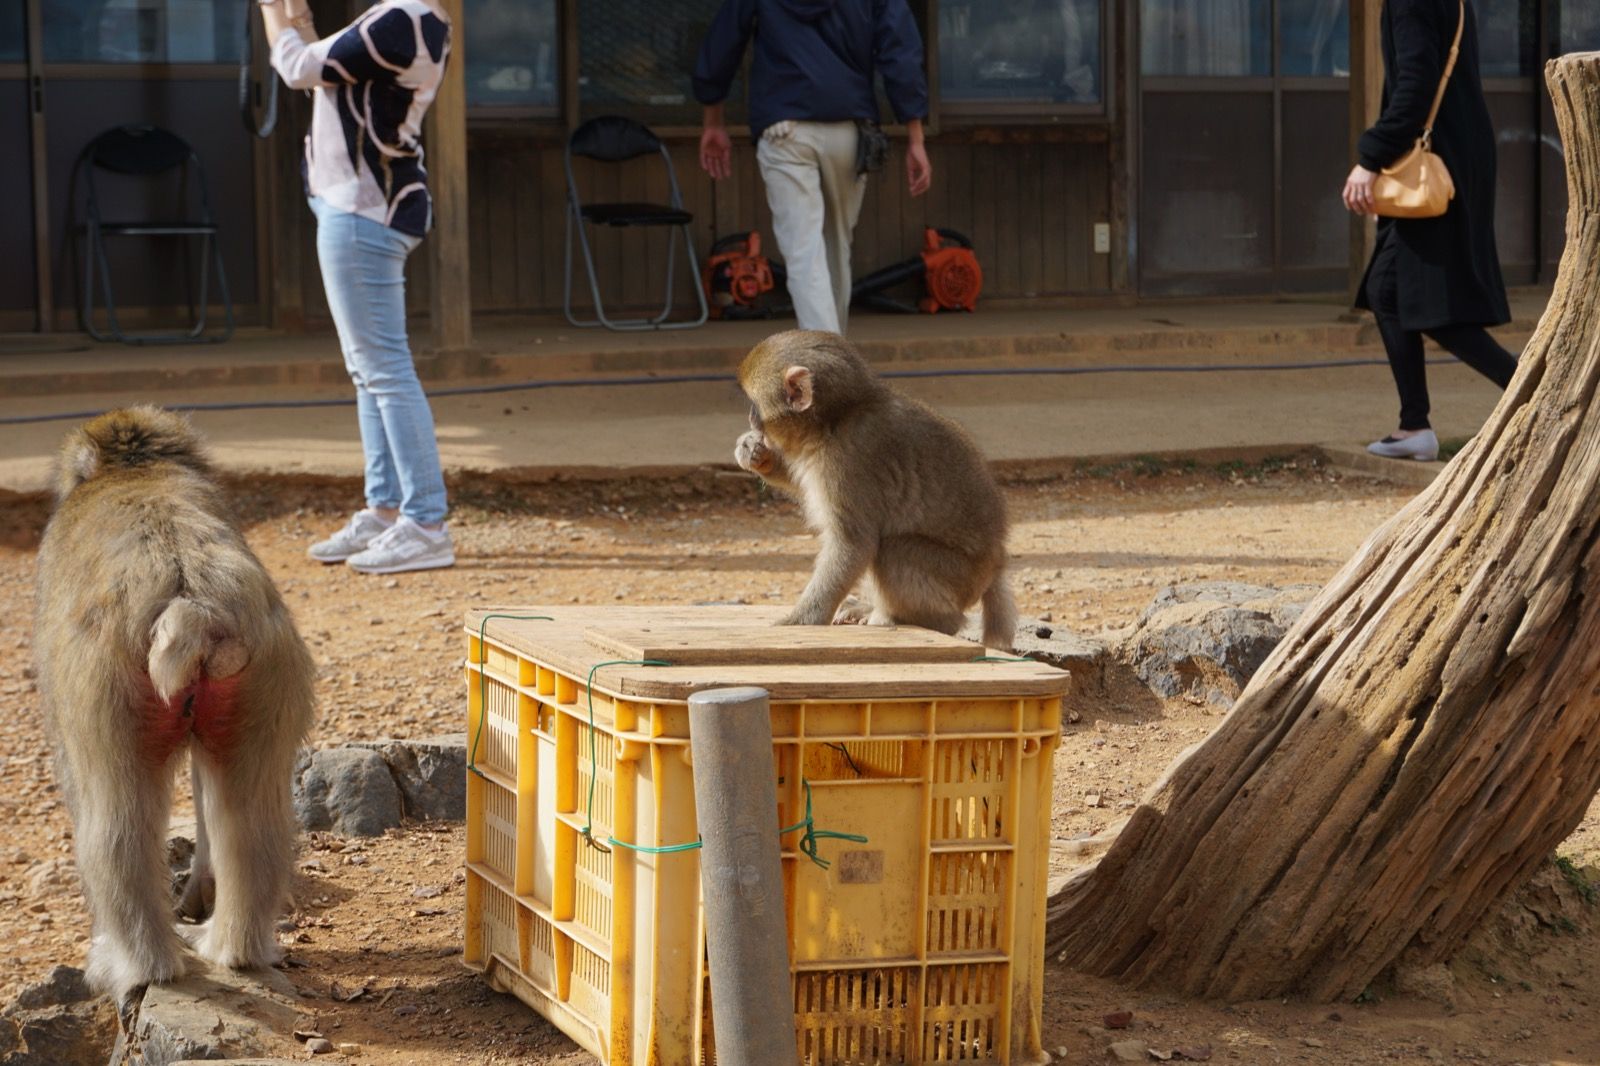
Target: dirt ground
[{"x": 375, "y": 948}]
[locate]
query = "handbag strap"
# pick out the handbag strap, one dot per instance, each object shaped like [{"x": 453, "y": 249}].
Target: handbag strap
[{"x": 1449, "y": 68}]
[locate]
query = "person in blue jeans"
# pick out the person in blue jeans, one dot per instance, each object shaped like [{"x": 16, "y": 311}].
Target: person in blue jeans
[{"x": 372, "y": 82}]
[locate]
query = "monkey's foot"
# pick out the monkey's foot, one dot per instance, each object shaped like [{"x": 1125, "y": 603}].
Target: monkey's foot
[
  {"x": 118, "y": 969},
  {"x": 852, "y": 612},
  {"x": 255, "y": 949}
]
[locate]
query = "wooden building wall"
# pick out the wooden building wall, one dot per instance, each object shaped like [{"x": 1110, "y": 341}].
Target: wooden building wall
[{"x": 1028, "y": 198}]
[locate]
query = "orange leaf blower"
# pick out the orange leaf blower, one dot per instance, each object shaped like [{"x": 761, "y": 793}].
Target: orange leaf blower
[
  {"x": 948, "y": 267},
  {"x": 735, "y": 277}
]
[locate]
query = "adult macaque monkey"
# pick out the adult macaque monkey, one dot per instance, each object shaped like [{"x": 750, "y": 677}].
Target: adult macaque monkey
[
  {"x": 900, "y": 495},
  {"x": 158, "y": 632}
]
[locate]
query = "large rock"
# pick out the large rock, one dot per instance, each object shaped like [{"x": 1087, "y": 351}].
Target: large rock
[
  {"x": 431, "y": 774},
  {"x": 212, "y": 1014},
  {"x": 57, "y": 1022},
  {"x": 78, "y": 1034},
  {"x": 1084, "y": 658},
  {"x": 347, "y": 790},
  {"x": 1207, "y": 640},
  {"x": 61, "y": 986}
]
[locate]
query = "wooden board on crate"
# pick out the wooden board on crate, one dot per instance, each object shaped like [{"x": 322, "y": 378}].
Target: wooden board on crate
[
  {"x": 713, "y": 647},
  {"x": 700, "y": 644}
]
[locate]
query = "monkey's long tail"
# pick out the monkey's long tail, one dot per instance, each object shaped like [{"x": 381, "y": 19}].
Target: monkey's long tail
[
  {"x": 999, "y": 615},
  {"x": 179, "y": 641}
]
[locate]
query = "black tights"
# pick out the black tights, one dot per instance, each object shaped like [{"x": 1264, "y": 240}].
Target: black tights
[{"x": 1471, "y": 344}]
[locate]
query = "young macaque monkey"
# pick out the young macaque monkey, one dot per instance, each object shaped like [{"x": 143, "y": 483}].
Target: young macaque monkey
[
  {"x": 158, "y": 632},
  {"x": 901, "y": 496}
]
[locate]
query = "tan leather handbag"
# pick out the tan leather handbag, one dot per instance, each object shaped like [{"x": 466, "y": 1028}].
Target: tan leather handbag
[{"x": 1418, "y": 184}]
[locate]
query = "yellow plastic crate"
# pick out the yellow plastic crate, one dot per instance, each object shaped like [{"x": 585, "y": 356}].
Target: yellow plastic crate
[{"x": 924, "y": 943}]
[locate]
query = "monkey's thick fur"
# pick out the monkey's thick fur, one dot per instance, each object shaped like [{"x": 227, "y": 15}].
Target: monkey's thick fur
[
  {"x": 158, "y": 632},
  {"x": 900, "y": 495}
]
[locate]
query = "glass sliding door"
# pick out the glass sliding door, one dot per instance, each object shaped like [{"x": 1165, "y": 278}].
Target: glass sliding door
[
  {"x": 168, "y": 63},
  {"x": 1243, "y": 145},
  {"x": 19, "y": 294},
  {"x": 1508, "y": 51}
]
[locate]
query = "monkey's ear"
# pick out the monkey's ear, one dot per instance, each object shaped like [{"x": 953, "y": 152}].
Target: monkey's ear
[{"x": 797, "y": 388}]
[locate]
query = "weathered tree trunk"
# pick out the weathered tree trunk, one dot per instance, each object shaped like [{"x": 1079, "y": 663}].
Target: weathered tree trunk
[{"x": 1425, "y": 735}]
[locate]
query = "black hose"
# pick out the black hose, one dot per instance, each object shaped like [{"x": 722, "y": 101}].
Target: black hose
[
  {"x": 251, "y": 87},
  {"x": 691, "y": 379}
]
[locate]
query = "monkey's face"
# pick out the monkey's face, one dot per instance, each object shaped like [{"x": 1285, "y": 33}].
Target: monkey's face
[{"x": 778, "y": 381}]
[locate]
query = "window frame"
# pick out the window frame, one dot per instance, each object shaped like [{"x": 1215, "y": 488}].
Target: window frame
[
  {"x": 88, "y": 69},
  {"x": 522, "y": 116},
  {"x": 566, "y": 116},
  {"x": 959, "y": 114}
]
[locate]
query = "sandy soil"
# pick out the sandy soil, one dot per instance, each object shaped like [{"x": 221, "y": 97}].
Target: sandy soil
[{"x": 375, "y": 947}]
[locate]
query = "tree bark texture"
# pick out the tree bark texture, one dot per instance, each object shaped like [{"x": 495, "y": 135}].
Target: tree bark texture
[{"x": 1426, "y": 734}]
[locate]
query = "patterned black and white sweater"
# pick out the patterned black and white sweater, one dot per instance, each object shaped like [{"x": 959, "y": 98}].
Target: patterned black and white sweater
[{"x": 372, "y": 82}]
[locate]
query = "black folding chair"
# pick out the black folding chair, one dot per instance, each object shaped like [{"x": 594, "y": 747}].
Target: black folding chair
[
  {"x": 150, "y": 152},
  {"x": 614, "y": 139}
]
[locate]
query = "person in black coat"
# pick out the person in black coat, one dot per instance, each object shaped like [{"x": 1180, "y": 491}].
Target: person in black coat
[{"x": 1438, "y": 277}]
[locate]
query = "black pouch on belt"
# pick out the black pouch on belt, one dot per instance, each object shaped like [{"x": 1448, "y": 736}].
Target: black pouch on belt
[{"x": 872, "y": 147}]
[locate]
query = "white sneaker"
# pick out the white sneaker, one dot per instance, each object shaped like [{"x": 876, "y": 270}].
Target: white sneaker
[
  {"x": 405, "y": 546},
  {"x": 1423, "y": 447},
  {"x": 357, "y": 533}
]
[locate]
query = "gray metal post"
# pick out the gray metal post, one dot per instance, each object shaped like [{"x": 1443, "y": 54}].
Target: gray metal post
[{"x": 741, "y": 877}]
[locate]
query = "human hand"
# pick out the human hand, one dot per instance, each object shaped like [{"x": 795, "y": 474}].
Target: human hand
[
  {"x": 919, "y": 172},
  {"x": 1358, "y": 191},
  {"x": 716, "y": 152}
]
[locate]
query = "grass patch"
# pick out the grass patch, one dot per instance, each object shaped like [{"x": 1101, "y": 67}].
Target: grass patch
[
  {"x": 1582, "y": 885},
  {"x": 1448, "y": 449}
]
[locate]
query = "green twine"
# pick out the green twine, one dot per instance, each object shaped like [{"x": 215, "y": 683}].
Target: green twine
[
  {"x": 483, "y": 680},
  {"x": 808, "y": 843},
  {"x": 594, "y": 768}
]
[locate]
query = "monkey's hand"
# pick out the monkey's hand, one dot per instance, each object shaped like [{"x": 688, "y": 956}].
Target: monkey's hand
[
  {"x": 753, "y": 453},
  {"x": 805, "y": 615}
]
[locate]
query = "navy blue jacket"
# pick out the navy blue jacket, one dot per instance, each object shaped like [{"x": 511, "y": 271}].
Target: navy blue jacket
[{"x": 815, "y": 59}]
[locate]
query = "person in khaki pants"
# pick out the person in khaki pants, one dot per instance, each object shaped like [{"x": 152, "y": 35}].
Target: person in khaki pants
[{"x": 811, "y": 86}]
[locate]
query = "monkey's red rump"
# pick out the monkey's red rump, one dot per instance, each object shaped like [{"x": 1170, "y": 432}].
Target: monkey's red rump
[{"x": 203, "y": 710}]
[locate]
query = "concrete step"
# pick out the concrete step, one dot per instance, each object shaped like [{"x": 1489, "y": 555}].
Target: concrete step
[
  {"x": 1352, "y": 459},
  {"x": 540, "y": 349}
]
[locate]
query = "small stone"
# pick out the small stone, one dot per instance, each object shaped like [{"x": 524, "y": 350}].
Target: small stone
[
  {"x": 1311, "y": 1041},
  {"x": 1118, "y": 1019},
  {"x": 427, "y": 891},
  {"x": 1433, "y": 1054},
  {"x": 1193, "y": 1052},
  {"x": 320, "y": 1046},
  {"x": 1091, "y": 799},
  {"x": 405, "y": 1010},
  {"x": 1061, "y": 1053},
  {"x": 349, "y": 1049},
  {"x": 1128, "y": 1051}
]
